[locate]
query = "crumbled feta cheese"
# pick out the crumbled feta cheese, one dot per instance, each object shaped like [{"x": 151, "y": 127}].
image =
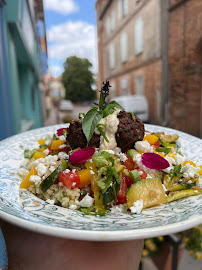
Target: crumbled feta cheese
[
  {"x": 92, "y": 172},
  {"x": 67, "y": 171},
  {"x": 62, "y": 146},
  {"x": 171, "y": 162},
  {"x": 137, "y": 207},
  {"x": 35, "y": 178},
  {"x": 123, "y": 157},
  {"x": 50, "y": 201},
  {"x": 74, "y": 170},
  {"x": 109, "y": 151},
  {"x": 121, "y": 208},
  {"x": 46, "y": 151},
  {"x": 41, "y": 169},
  {"x": 189, "y": 170},
  {"x": 148, "y": 176},
  {"x": 63, "y": 155},
  {"x": 137, "y": 158},
  {"x": 73, "y": 207},
  {"x": 196, "y": 191},
  {"x": 189, "y": 182},
  {"x": 62, "y": 138},
  {"x": 87, "y": 201},
  {"x": 179, "y": 159},
  {"x": 22, "y": 172},
  {"x": 52, "y": 168},
  {"x": 144, "y": 146},
  {"x": 51, "y": 160},
  {"x": 39, "y": 160}
]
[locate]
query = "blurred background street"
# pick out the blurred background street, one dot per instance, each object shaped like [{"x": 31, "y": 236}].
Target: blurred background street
[{"x": 55, "y": 55}]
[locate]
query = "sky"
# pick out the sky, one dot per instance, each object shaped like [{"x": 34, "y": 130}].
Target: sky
[{"x": 70, "y": 30}]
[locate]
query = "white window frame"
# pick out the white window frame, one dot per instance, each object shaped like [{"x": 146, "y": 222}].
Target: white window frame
[
  {"x": 139, "y": 36},
  {"x": 124, "y": 47},
  {"x": 122, "y": 8}
]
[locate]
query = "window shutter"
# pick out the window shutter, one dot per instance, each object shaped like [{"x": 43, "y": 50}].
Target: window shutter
[
  {"x": 139, "y": 85},
  {"x": 124, "y": 47},
  {"x": 120, "y": 9},
  {"x": 125, "y": 7},
  {"x": 139, "y": 36},
  {"x": 112, "y": 56}
]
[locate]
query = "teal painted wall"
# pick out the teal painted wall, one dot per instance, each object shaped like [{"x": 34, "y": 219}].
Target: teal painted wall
[{"x": 24, "y": 66}]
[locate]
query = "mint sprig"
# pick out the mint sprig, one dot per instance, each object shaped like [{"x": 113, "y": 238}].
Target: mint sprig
[{"x": 93, "y": 116}]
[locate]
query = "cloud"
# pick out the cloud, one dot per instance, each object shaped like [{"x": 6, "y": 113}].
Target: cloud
[
  {"x": 73, "y": 38},
  {"x": 55, "y": 70},
  {"x": 63, "y": 7}
]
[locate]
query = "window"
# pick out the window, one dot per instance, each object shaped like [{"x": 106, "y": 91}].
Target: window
[
  {"x": 123, "y": 8},
  {"x": 112, "y": 90},
  {"x": 110, "y": 24},
  {"x": 112, "y": 56},
  {"x": 139, "y": 36},
  {"x": 139, "y": 85},
  {"x": 124, "y": 45},
  {"x": 124, "y": 87}
]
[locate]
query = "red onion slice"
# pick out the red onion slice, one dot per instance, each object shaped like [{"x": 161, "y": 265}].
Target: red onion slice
[
  {"x": 81, "y": 155},
  {"x": 154, "y": 161}
]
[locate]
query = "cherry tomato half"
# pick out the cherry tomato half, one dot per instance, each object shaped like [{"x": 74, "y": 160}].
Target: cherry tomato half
[
  {"x": 129, "y": 163},
  {"x": 121, "y": 196},
  {"x": 70, "y": 179}
]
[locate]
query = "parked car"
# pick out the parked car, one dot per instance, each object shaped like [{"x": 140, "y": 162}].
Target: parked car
[
  {"x": 136, "y": 104},
  {"x": 66, "y": 105}
]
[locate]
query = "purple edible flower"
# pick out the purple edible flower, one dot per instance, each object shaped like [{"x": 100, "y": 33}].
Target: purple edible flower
[
  {"x": 154, "y": 161},
  {"x": 81, "y": 155}
]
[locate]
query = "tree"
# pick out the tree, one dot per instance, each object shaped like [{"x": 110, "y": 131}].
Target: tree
[{"x": 77, "y": 79}]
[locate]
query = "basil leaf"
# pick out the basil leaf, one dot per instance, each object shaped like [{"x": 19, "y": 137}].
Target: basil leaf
[
  {"x": 90, "y": 122},
  {"x": 81, "y": 115},
  {"x": 133, "y": 116},
  {"x": 165, "y": 150},
  {"x": 101, "y": 102},
  {"x": 109, "y": 109},
  {"x": 108, "y": 196},
  {"x": 88, "y": 211},
  {"x": 116, "y": 175},
  {"x": 176, "y": 171}
]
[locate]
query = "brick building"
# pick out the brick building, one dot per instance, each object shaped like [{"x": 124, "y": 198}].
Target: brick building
[
  {"x": 131, "y": 37},
  {"x": 185, "y": 65}
]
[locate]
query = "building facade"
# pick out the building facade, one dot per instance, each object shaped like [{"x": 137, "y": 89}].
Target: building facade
[
  {"x": 130, "y": 38},
  {"x": 185, "y": 68},
  {"x": 22, "y": 60}
]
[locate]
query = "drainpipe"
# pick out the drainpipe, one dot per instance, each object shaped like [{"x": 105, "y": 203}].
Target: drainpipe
[{"x": 167, "y": 112}]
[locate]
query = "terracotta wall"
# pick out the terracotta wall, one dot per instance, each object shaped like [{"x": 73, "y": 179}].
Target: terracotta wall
[{"x": 185, "y": 65}]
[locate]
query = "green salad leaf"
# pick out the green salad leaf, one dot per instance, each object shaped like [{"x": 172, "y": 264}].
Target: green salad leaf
[{"x": 93, "y": 116}]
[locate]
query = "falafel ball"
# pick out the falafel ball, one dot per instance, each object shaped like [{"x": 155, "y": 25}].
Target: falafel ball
[{"x": 128, "y": 133}]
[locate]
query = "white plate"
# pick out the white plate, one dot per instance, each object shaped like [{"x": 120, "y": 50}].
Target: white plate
[{"x": 57, "y": 221}]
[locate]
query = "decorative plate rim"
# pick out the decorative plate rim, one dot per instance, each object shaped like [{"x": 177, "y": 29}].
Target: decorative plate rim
[{"x": 98, "y": 235}]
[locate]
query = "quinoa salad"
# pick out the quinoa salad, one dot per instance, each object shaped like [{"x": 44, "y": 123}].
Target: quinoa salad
[{"x": 106, "y": 162}]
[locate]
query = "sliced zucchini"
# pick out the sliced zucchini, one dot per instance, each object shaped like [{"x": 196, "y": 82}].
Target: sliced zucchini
[
  {"x": 169, "y": 138},
  {"x": 181, "y": 194},
  {"x": 149, "y": 190},
  {"x": 50, "y": 180}
]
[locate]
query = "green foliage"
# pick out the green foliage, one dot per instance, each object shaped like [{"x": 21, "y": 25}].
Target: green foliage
[{"x": 77, "y": 79}]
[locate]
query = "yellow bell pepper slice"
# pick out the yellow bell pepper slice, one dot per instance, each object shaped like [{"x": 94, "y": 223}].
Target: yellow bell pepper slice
[
  {"x": 190, "y": 162},
  {"x": 200, "y": 172},
  {"x": 85, "y": 177},
  {"x": 41, "y": 141},
  {"x": 55, "y": 145},
  {"x": 152, "y": 139},
  {"x": 38, "y": 154},
  {"x": 26, "y": 183}
]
